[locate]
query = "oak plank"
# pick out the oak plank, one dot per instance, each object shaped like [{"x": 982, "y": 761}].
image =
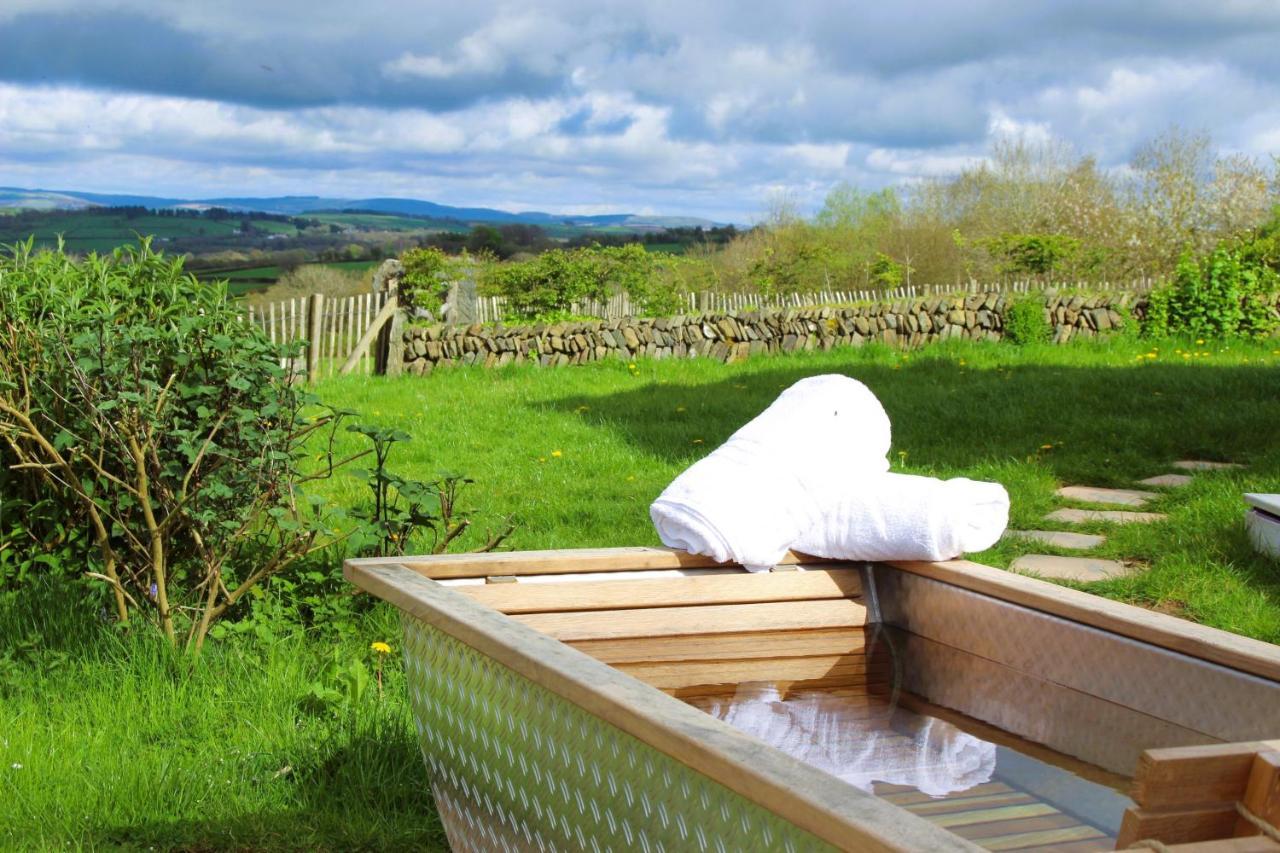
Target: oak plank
[
  {"x": 827, "y": 669},
  {"x": 566, "y": 561},
  {"x": 1177, "y": 826},
  {"x": 1201, "y": 641},
  {"x": 708, "y": 619},
  {"x": 1187, "y": 776},
  {"x": 739, "y": 588},
  {"x": 748, "y": 644},
  {"x": 1262, "y": 793}
]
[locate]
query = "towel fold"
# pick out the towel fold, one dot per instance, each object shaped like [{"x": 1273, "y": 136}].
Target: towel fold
[
  {"x": 754, "y": 496},
  {"x": 905, "y": 517},
  {"x": 810, "y": 473}
]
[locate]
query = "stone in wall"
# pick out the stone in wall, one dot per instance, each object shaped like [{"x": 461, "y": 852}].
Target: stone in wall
[{"x": 734, "y": 336}]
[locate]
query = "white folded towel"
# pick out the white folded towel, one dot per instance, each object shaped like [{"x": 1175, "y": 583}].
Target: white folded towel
[
  {"x": 755, "y": 495},
  {"x": 856, "y": 743},
  {"x": 905, "y": 517}
]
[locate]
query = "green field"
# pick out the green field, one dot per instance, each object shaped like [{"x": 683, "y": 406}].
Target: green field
[
  {"x": 101, "y": 232},
  {"x": 106, "y": 741},
  {"x": 388, "y": 222}
]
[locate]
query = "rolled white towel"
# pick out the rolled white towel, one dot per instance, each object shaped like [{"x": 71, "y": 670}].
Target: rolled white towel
[
  {"x": 752, "y": 497},
  {"x": 905, "y": 517}
]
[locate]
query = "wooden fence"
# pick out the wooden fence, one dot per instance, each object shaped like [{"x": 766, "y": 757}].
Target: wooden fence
[
  {"x": 338, "y": 330},
  {"x": 492, "y": 308}
]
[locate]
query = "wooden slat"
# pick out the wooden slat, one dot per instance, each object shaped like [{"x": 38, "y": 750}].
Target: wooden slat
[
  {"x": 833, "y": 811},
  {"x": 1039, "y": 840},
  {"x": 741, "y": 588},
  {"x": 710, "y": 619},
  {"x": 1184, "y": 776},
  {"x": 1177, "y": 826},
  {"x": 571, "y": 561},
  {"x": 819, "y": 671},
  {"x": 1262, "y": 794},
  {"x": 1242, "y": 653},
  {"x": 755, "y": 644},
  {"x": 1256, "y": 844}
]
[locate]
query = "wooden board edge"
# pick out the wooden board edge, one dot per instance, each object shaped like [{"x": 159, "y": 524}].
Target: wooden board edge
[
  {"x": 834, "y": 811},
  {"x": 1191, "y": 638},
  {"x": 568, "y": 561}
]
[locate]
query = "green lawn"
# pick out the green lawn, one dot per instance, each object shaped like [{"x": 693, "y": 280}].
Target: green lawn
[{"x": 118, "y": 745}]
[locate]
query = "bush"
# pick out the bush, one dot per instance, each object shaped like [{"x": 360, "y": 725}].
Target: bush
[
  {"x": 546, "y": 287},
  {"x": 1227, "y": 293},
  {"x": 1025, "y": 323},
  {"x": 426, "y": 278},
  {"x": 160, "y": 432}
]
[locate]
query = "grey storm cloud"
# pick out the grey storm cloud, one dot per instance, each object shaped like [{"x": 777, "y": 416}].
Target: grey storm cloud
[{"x": 668, "y": 101}]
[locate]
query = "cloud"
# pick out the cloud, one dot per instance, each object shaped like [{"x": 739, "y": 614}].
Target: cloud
[{"x": 680, "y": 107}]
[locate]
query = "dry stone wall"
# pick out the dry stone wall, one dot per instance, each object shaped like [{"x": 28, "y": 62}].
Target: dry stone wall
[{"x": 732, "y": 336}]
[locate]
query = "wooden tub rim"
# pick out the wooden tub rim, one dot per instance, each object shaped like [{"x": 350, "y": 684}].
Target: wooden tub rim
[{"x": 828, "y": 808}]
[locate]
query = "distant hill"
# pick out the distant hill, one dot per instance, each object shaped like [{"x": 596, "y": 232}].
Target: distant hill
[{"x": 37, "y": 199}]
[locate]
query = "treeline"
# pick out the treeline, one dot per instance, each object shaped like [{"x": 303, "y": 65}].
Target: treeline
[{"x": 1028, "y": 211}]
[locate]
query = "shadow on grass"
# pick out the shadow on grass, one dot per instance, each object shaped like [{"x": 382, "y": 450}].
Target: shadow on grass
[
  {"x": 371, "y": 793},
  {"x": 1105, "y": 425}
]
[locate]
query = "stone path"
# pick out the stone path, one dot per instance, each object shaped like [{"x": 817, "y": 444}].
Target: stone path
[
  {"x": 1070, "y": 568},
  {"x": 1060, "y": 538},
  {"x": 1166, "y": 481},
  {"x": 1198, "y": 465},
  {"x": 1092, "y": 495},
  {"x": 1116, "y": 516},
  {"x": 1093, "y": 568}
]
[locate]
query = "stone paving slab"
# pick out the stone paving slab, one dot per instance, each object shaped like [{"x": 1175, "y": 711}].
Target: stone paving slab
[
  {"x": 1199, "y": 465},
  {"x": 1058, "y": 538},
  {"x": 1094, "y": 495},
  {"x": 1070, "y": 568},
  {"x": 1076, "y": 516},
  {"x": 1166, "y": 481}
]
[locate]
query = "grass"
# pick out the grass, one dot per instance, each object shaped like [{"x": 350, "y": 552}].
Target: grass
[
  {"x": 122, "y": 746},
  {"x": 92, "y": 231}
]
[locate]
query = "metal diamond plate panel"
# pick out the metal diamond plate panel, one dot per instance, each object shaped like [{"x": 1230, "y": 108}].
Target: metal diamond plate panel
[{"x": 513, "y": 766}]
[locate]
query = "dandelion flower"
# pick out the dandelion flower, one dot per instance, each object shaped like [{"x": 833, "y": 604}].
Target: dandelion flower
[
  {"x": 381, "y": 648},
  {"x": 1199, "y": 342},
  {"x": 556, "y": 454}
]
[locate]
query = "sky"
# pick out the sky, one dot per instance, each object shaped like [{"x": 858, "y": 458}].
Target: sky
[{"x": 700, "y": 107}]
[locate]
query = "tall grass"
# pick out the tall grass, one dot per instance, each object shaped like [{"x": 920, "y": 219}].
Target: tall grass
[{"x": 121, "y": 744}]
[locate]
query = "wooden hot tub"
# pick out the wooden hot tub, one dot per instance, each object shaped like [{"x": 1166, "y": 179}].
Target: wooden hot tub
[{"x": 621, "y": 699}]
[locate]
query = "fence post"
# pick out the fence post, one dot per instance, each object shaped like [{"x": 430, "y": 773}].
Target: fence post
[{"x": 314, "y": 337}]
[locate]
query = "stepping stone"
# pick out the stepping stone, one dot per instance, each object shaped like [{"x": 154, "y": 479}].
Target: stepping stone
[
  {"x": 1198, "y": 465},
  {"x": 1120, "y": 497},
  {"x": 1070, "y": 568},
  {"x": 1059, "y": 538},
  {"x": 1166, "y": 481},
  {"x": 1076, "y": 516}
]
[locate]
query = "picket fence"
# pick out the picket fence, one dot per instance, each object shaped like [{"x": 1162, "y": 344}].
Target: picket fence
[
  {"x": 333, "y": 328},
  {"x": 493, "y": 308}
]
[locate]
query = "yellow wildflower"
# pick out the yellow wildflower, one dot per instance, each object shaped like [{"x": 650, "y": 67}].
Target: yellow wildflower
[
  {"x": 556, "y": 454},
  {"x": 1199, "y": 341},
  {"x": 381, "y": 648}
]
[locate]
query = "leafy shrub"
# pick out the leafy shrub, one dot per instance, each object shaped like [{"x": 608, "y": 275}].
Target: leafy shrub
[
  {"x": 1025, "y": 323},
  {"x": 547, "y": 286},
  {"x": 425, "y": 281},
  {"x": 146, "y": 412},
  {"x": 1225, "y": 294}
]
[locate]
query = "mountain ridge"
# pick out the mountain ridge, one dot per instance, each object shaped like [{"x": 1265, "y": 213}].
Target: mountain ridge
[{"x": 48, "y": 200}]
